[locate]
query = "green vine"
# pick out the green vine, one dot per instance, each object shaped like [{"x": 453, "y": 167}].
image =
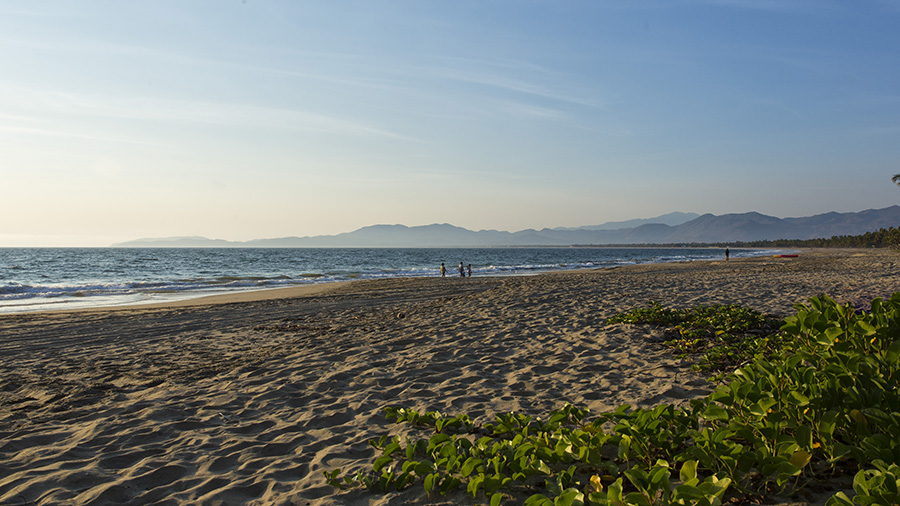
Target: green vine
[
  {"x": 821, "y": 405},
  {"x": 722, "y": 335}
]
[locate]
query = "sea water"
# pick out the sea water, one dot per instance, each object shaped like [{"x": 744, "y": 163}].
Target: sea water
[{"x": 35, "y": 279}]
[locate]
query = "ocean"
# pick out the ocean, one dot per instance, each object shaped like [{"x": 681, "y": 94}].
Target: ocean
[{"x": 37, "y": 279}]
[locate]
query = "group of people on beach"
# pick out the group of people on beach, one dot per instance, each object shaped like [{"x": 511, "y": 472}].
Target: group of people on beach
[{"x": 464, "y": 271}]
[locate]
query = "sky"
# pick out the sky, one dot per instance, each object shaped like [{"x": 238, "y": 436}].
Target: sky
[{"x": 246, "y": 119}]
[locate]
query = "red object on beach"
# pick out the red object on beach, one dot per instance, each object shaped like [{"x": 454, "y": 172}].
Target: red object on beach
[{"x": 786, "y": 256}]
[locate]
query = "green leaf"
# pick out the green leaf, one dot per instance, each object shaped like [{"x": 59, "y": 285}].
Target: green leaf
[
  {"x": 865, "y": 328},
  {"x": 712, "y": 485},
  {"x": 767, "y": 402},
  {"x": 757, "y": 410},
  {"x": 827, "y": 423},
  {"x": 842, "y": 450},
  {"x": 839, "y": 499},
  {"x": 425, "y": 467},
  {"x": 402, "y": 481},
  {"x": 430, "y": 482},
  {"x": 638, "y": 477},
  {"x": 786, "y": 470},
  {"x": 496, "y": 498},
  {"x": 614, "y": 492},
  {"x": 659, "y": 479},
  {"x": 893, "y": 352},
  {"x": 474, "y": 484},
  {"x": 542, "y": 467},
  {"x": 715, "y": 412},
  {"x": 800, "y": 458},
  {"x": 449, "y": 483},
  {"x": 797, "y": 399},
  {"x": 470, "y": 465},
  {"x": 492, "y": 484},
  {"x": 637, "y": 499},
  {"x": 624, "y": 447},
  {"x": 380, "y": 462},
  {"x": 437, "y": 440},
  {"x": 804, "y": 436},
  {"x": 829, "y": 336},
  {"x": 538, "y": 500},
  {"x": 569, "y": 497},
  {"x": 523, "y": 450},
  {"x": 688, "y": 472}
]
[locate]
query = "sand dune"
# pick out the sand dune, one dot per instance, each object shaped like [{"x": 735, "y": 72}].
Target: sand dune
[{"x": 247, "y": 400}]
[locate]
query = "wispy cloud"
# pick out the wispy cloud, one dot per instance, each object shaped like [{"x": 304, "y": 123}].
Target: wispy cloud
[
  {"x": 56, "y": 132},
  {"x": 531, "y": 111},
  {"x": 18, "y": 10},
  {"x": 528, "y": 90},
  {"x": 407, "y": 80},
  {"x": 423, "y": 85},
  {"x": 186, "y": 111},
  {"x": 521, "y": 78}
]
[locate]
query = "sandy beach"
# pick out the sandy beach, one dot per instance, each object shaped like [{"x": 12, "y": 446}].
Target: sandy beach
[{"x": 246, "y": 399}]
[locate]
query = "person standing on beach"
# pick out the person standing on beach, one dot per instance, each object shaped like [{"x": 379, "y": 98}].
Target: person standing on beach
[
  {"x": 726, "y": 254},
  {"x": 462, "y": 270},
  {"x": 443, "y": 270},
  {"x": 469, "y": 270}
]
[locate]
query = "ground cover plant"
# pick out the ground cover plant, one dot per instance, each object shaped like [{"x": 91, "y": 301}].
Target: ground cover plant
[
  {"x": 821, "y": 407},
  {"x": 722, "y": 336}
]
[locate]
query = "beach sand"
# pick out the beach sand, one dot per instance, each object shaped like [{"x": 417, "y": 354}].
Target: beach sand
[{"x": 246, "y": 399}]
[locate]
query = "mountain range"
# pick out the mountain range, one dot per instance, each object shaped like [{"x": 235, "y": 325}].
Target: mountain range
[{"x": 673, "y": 228}]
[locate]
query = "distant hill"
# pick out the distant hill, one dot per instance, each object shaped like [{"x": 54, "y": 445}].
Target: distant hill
[
  {"x": 670, "y": 219},
  {"x": 178, "y": 242},
  {"x": 708, "y": 228}
]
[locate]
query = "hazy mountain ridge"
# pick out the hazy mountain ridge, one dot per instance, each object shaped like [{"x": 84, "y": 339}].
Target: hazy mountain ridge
[
  {"x": 666, "y": 229},
  {"x": 671, "y": 219}
]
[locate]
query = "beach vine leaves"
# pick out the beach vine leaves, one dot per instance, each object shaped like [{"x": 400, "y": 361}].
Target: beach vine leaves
[
  {"x": 722, "y": 335},
  {"x": 823, "y": 406}
]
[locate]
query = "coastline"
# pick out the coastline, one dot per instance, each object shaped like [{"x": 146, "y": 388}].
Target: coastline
[
  {"x": 247, "y": 398},
  {"x": 61, "y": 279},
  {"x": 232, "y": 297}
]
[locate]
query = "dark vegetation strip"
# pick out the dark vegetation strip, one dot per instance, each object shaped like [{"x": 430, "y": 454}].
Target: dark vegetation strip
[{"x": 882, "y": 238}]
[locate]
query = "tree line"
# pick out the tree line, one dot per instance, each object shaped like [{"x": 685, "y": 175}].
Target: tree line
[{"x": 882, "y": 238}]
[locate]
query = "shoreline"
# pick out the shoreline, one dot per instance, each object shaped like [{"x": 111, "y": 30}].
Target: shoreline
[
  {"x": 248, "y": 401},
  {"x": 188, "y": 298}
]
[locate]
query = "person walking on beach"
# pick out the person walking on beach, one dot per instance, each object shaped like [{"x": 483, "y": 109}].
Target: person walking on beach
[
  {"x": 462, "y": 270},
  {"x": 469, "y": 270},
  {"x": 443, "y": 270}
]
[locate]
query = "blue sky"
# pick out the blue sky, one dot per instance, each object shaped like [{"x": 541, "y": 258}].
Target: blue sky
[{"x": 253, "y": 119}]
